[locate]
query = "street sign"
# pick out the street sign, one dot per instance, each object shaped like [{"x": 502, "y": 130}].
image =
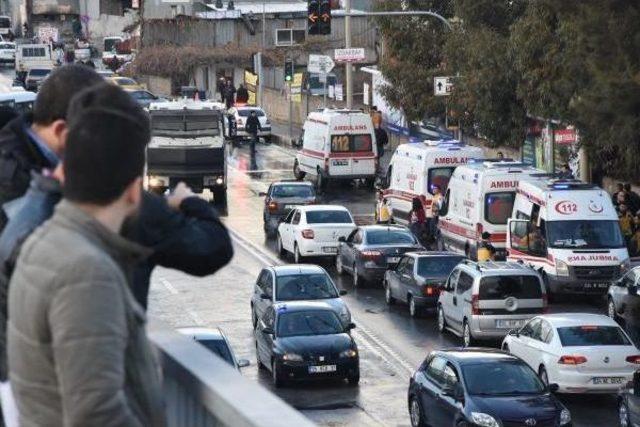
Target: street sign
[
  {"x": 565, "y": 136},
  {"x": 350, "y": 55},
  {"x": 320, "y": 64},
  {"x": 339, "y": 93},
  {"x": 442, "y": 86}
]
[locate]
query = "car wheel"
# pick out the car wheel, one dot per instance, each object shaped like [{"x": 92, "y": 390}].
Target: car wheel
[
  {"x": 611, "y": 309},
  {"x": 415, "y": 413},
  {"x": 280, "y": 248},
  {"x": 623, "y": 414},
  {"x": 414, "y": 310},
  {"x": 277, "y": 379},
  {"x": 544, "y": 377},
  {"x": 467, "y": 338},
  {"x": 297, "y": 257},
  {"x": 388, "y": 296},
  {"x": 297, "y": 173},
  {"x": 442, "y": 323},
  {"x": 339, "y": 267},
  {"x": 356, "y": 276},
  {"x": 354, "y": 379}
]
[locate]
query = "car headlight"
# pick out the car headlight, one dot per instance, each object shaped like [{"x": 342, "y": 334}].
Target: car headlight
[
  {"x": 565, "y": 417},
  {"x": 562, "y": 269},
  {"x": 626, "y": 264},
  {"x": 484, "y": 420},
  {"x": 349, "y": 353},
  {"x": 292, "y": 357}
]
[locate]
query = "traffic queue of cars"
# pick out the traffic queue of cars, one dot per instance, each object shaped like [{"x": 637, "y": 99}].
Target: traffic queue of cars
[{"x": 555, "y": 236}]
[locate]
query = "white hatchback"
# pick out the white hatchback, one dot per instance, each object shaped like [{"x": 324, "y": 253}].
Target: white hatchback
[
  {"x": 314, "y": 231},
  {"x": 582, "y": 353}
]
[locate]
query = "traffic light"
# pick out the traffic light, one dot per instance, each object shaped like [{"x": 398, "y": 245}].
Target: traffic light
[
  {"x": 324, "y": 17},
  {"x": 288, "y": 70},
  {"x": 313, "y": 16}
]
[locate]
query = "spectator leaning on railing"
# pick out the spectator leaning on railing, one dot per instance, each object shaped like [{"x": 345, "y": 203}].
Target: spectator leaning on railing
[{"x": 78, "y": 351}]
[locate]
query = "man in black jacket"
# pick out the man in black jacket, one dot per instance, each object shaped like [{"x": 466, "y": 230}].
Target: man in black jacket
[
  {"x": 252, "y": 127},
  {"x": 33, "y": 142}
]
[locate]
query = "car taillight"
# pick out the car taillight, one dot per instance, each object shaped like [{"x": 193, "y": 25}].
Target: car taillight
[
  {"x": 430, "y": 291},
  {"x": 370, "y": 255},
  {"x": 572, "y": 360},
  {"x": 475, "y": 304},
  {"x": 479, "y": 230},
  {"x": 308, "y": 234},
  {"x": 545, "y": 304},
  {"x": 634, "y": 359},
  {"x": 273, "y": 206}
]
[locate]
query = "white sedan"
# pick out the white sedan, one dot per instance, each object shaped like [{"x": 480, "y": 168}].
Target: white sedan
[
  {"x": 314, "y": 231},
  {"x": 581, "y": 353}
]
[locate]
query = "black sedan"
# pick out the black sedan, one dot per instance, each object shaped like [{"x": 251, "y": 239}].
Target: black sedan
[
  {"x": 481, "y": 387},
  {"x": 418, "y": 278},
  {"x": 369, "y": 250},
  {"x": 281, "y": 198},
  {"x": 306, "y": 340}
]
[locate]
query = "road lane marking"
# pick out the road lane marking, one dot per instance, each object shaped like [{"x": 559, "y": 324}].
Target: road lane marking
[
  {"x": 371, "y": 341},
  {"x": 195, "y": 317},
  {"x": 167, "y": 284}
]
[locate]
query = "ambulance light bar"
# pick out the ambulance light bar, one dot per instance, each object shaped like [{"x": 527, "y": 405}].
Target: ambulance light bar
[
  {"x": 442, "y": 142},
  {"x": 487, "y": 160},
  {"x": 504, "y": 164},
  {"x": 566, "y": 184}
]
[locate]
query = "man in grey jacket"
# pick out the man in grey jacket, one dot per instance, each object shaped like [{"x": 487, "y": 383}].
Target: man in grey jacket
[{"x": 78, "y": 351}]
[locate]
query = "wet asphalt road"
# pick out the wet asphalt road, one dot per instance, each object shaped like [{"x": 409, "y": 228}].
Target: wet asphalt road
[{"x": 391, "y": 343}]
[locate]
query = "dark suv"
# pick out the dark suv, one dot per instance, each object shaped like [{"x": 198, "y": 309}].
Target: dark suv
[{"x": 281, "y": 197}]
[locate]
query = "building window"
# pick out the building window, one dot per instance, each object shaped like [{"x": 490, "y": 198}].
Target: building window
[
  {"x": 113, "y": 7},
  {"x": 290, "y": 36}
]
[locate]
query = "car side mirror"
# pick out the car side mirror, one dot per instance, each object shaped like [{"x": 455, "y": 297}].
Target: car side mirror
[
  {"x": 342, "y": 292},
  {"x": 455, "y": 392},
  {"x": 243, "y": 363},
  {"x": 265, "y": 296},
  {"x": 553, "y": 388},
  {"x": 342, "y": 239},
  {"x": 514, "y": 333},
  {"x": 633, "y": 290},
  {"x": 262, "y": 194},
  {"x": 350, "y": 326},
  {"x": 267, "y": 330}
]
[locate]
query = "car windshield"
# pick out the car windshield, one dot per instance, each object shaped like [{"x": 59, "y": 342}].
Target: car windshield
[
  {"x": 328, "y": 217},
  {"x": 142, "y": 95},
  {"x": 297, "y": 287},
  {"x": 219, "y": 347},
  {"x": 38, "y": 72},
  {"x": 306, "y": 323},
  {"x": 390, "y": 237},
  {"x": 437, "y": 266},
  {"x": 503, "y": 287},
  {"x": 7, "y": 46},
  {"x": 5, "y": 22},
  {"x": 592, "y": 335},
  {"x": 246, "y": 112},
  {"x": 584, "y": 234},
  {"x": 501, "y": 378},
  {"x": 301, "y": 191},
  {"x": 126, "y": 82}
]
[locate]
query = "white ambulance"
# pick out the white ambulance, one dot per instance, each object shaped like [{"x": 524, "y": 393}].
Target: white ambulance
[
  {"x": 337, "y": 144},
  {"x": 416, "y": 168},
  {"x": 568, "y": 230},
  {"x": 480, "y": 199}
]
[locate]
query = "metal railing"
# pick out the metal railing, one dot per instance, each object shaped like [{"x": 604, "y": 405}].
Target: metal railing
[{"x": 200, "y": 389}]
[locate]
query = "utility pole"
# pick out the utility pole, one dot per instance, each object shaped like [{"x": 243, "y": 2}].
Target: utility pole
[
  {"x": 263, "y": 45},
  {"x": 347, "y": 40}
]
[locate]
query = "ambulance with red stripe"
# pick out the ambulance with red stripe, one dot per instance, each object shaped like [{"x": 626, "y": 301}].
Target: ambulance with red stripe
[
  {"x": 480, "y": 198},
  {"x": 337, "y": 145},
  {"x": 417, "y": 167},
  {"x": 568, "y": 230}
]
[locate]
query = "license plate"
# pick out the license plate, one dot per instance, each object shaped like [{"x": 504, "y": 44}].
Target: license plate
[
  {"x": 608, "y": 380},
  {"x": 595, "y": 285},
  {"x": 340, "y": 162},
  {"x": 393, "y": 259},
  {"x": 330, "y": 250},
  {"x": 504, "y": 324},
  {"x": 322, "y": 369},
  {"x": 289, "y": 207}
]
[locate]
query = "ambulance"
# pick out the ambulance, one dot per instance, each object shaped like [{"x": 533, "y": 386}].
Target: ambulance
[
  {"x": 480, "y": 198},
  {"x": 416, "y": 168},
  {"x": 568, "y": 230},
  {"x": 337, "y": 145}
]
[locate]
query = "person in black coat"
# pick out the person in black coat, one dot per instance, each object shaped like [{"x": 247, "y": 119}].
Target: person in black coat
[
  {"x": 35, "y": 141},
  {"x": 252, "y": 127}
]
